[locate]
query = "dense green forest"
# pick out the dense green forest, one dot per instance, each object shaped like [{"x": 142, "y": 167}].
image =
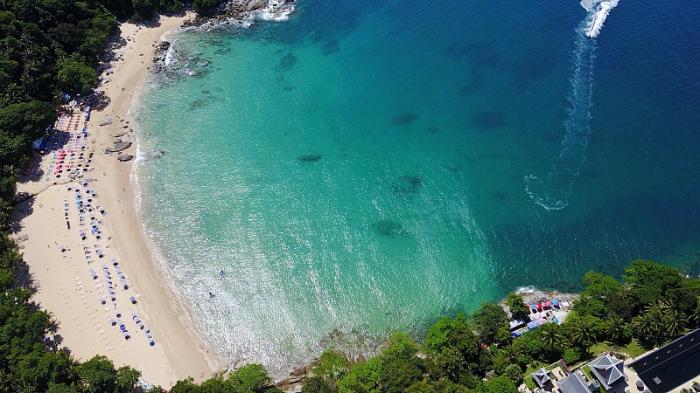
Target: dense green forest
[{"x": 50, "y": 47}]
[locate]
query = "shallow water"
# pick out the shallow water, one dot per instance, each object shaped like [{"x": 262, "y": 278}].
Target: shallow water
[{"x": 360, "y": 168}]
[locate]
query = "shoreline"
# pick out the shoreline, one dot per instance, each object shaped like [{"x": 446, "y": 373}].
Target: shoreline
[{"x": 64, "y": 286}]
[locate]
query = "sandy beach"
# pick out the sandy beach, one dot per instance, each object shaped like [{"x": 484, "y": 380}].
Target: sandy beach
[{"x": 161, "y": 343}]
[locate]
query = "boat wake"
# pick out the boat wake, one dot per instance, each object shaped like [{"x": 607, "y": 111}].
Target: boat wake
[
  {"x": 552, "y": 192},
  {"x": 598, "y": 11}
]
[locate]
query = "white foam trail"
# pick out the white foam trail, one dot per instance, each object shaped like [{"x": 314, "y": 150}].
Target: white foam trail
[
  {"x": 598, "y": 11},
  {"x": 552, "y": 192}
]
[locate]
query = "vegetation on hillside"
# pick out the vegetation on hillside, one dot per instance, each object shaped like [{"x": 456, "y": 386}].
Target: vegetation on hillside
[{"x": 47, "y": 48}]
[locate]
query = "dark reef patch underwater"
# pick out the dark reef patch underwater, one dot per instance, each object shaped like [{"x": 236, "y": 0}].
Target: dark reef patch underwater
[
  {"x": 489, "y": 120},
  {"x": 404, "y": 119},
  {"x": 390, "y": 228},
  {"x": 309, "y": 158},
  {"x": 287, "y": 62},
  {"x": 407, "y": 184}
]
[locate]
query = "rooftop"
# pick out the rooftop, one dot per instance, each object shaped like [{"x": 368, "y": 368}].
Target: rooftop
[
  {"x": 573, "y": 384},
  {"x": 541, "y": 377},
  {"x": 608, "y": 370},
  {"x": 671, "y": 365}
]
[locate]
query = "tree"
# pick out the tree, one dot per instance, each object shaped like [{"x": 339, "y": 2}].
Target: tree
[
  {"x": 507, "y": 355},
  {"x": 185, "y": 386},
  {"x": 601, "y": 296},
  {"x": 617, "y": 330},
  {"x": 399, "y": 367},
  {"x": 205, "y": 7},
  {"x": 500, "y": 384},
  {"x": 315, "y": 385},
  {"x": 74, "y": 76},
  {"x": 582, "y": 335},
  {"x": 454, "y": 347},
  {"x": 362, "y": 378},
  {"x": 127, "y": 378},
  {"x": 553, "y": 339},
  {"x": 684, "y": 299},
  {"x": 38, "y": 369},
  {"x": 97, "y": 375},
  {"x": 331, "y": 367},
  {"x": 250, "y": 378},
  {"x": 489, "y": 320},
  {"x": 439, "y": 386},
  {"x": 514, "y": 373},
  {"x": 583, "y": 330},
  {"x": 674, "y": 322},
  {"x": 54, "y": 388},
  {"x": 28, "y": 118},
  {"x": 517, "y": 307},
  {"x": 571, "y": 355},
  {"x": 20, "y": 124},
  {"x": 144, "y": 9},
  {"x": 648, "y": 328},
  {"x": 650, "y": 280}
]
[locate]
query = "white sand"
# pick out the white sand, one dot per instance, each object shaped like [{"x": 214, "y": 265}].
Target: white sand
[{"x": 65, "y": 287}]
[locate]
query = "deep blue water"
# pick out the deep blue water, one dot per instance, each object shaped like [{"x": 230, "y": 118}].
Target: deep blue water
[{"x": 361, "y": 167}]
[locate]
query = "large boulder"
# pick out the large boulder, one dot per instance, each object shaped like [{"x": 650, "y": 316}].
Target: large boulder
[
  {"x": 256, "y": 5},
  {"x": 118, "y": 146}
]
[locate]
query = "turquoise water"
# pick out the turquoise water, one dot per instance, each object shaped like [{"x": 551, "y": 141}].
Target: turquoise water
[{"x": 362, "y": 167}]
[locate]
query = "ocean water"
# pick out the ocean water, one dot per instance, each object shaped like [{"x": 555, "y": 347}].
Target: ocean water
[{"x": 369, "y": 166}]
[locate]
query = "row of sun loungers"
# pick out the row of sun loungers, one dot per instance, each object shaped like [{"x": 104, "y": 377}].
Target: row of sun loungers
[{"x": 110, "y": 280}]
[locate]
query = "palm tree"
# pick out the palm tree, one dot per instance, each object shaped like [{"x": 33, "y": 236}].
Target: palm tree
[
  {"x": 582, "y": 335},
  {"x": 648, "y": 328},
  {"x": 552, "y": 337},
  {"x": 510, "y": 354},
  {"x": 617, "y": 329},
  {"x": 675, "y": 323},
  {"x": 660, "y": 308}
]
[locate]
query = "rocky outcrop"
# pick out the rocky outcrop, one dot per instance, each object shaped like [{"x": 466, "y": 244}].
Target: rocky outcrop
[
  {"x": 242, "y": 12},
  {"x": 160, "y": 51},
  {"x": 118, "y": 146}
]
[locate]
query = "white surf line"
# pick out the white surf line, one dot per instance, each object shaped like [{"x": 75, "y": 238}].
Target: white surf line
[{"x": 553, "y": 192}]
